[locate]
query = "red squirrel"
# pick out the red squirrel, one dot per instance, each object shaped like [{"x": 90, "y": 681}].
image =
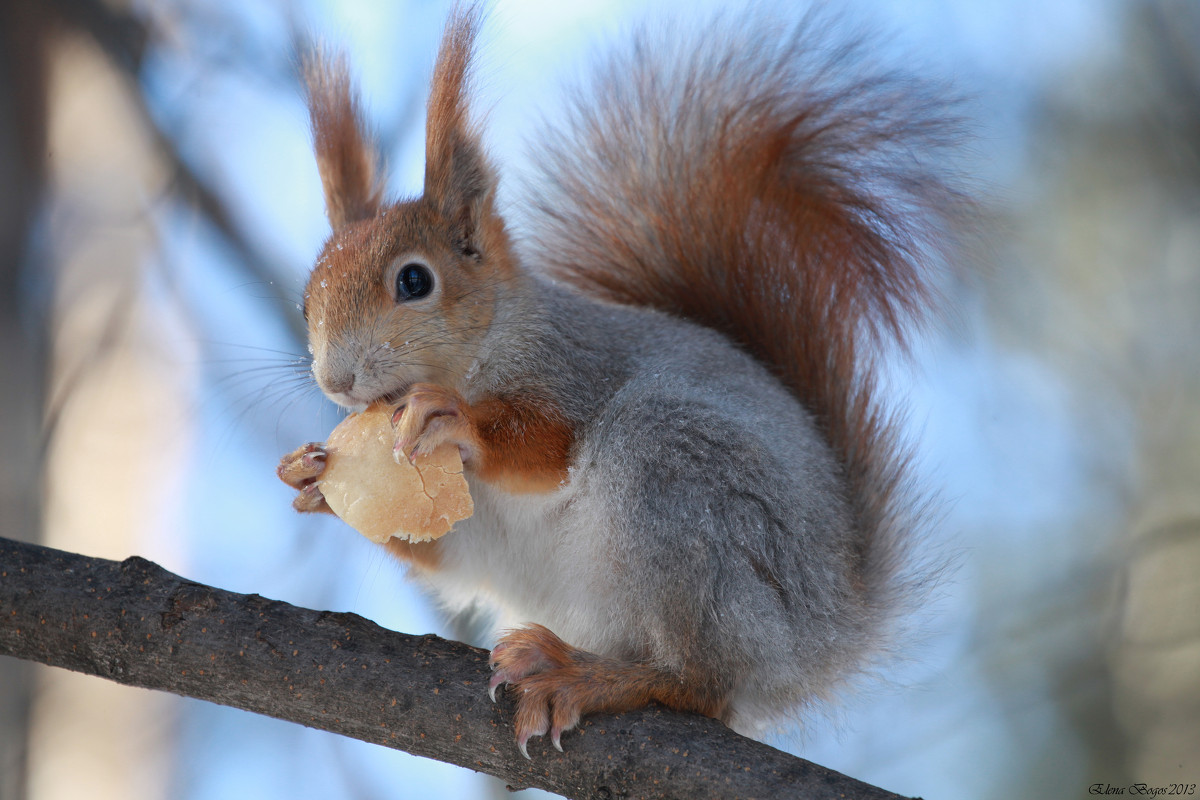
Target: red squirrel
[{"x": 686, "y": 489}]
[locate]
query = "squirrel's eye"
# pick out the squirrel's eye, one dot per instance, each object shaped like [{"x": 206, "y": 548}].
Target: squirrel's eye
[{"x": 413, "y": 281}]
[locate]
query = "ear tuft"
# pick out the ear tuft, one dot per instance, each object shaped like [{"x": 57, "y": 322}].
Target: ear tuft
[
  {"x": 458, "y": 179},
  {"x": 346, "y": 154}
]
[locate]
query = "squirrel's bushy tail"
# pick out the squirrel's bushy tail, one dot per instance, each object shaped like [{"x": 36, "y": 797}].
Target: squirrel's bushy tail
[{"x": 762, "y": 183}]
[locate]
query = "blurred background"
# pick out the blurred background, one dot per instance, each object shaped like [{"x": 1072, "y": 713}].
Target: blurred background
[{"x": 159, "y": 209}]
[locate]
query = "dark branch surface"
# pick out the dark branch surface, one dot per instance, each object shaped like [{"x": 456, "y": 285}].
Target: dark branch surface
[{"x": 135, "y": 623}]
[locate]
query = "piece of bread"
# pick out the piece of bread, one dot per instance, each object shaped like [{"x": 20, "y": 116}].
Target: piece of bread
[{"x": 380, "y": 498}]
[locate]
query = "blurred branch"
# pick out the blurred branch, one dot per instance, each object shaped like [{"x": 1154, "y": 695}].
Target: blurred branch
[
  {"x": 135, "y": 623},
  {"x": 123, "y": 37}
]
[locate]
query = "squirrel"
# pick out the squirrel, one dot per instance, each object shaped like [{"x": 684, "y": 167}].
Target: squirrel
[{"x": 687, "y": 491}]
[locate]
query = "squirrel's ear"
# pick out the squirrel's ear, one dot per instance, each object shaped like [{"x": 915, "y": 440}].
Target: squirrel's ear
[
  {"x": 346, "y": 155},
  {"x": 458, "y": 179}
]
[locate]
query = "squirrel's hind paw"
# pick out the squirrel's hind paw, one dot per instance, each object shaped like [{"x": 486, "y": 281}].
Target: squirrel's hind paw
[
  {"x": 556, "y": 685},
  {"x": 549, "y": 681}
]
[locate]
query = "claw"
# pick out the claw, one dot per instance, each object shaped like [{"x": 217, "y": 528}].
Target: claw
[
  {"x": 495, "y": 654},
  {"x": 556, "y": 738},
  {"x": 526, "y": 731},
  {"x": 494, "y": 683}
]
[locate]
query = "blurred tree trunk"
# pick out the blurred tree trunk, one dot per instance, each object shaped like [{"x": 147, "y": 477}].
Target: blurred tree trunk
[
  {"x": 23, "y": 36},
  {"x": 1156, "y": 655},
  {"x": 85, "y": 377},
  {"x": 115, "y": 398}
]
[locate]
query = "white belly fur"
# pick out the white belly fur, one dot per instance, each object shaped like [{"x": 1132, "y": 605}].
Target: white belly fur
[{"x": 534, "y": 558}]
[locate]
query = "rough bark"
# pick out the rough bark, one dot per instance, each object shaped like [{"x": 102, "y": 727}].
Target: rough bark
[{"x": 135, "y": 623}]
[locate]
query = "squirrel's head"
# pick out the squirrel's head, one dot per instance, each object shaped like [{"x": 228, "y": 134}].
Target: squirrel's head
[{"x": 405, "y": 292}]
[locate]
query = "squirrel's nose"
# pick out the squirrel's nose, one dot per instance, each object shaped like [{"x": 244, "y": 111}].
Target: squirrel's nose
[
  {"x": 342, "y": 384},
  {"x": 333, "y": 378}
]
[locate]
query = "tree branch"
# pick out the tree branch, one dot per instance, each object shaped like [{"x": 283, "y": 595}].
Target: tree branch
[{"x": 135, "y": 623}]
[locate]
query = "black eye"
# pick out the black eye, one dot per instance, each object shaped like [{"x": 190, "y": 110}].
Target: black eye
[{"x": 413, "y": 281}]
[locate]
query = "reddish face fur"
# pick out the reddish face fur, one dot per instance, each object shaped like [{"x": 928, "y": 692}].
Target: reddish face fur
[{"x": 367, "y": 343}]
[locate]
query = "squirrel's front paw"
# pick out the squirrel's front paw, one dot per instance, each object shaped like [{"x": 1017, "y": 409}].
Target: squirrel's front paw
[
  {"x": 429, "y": 416},
  {"x": 300, "y": 469}
]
